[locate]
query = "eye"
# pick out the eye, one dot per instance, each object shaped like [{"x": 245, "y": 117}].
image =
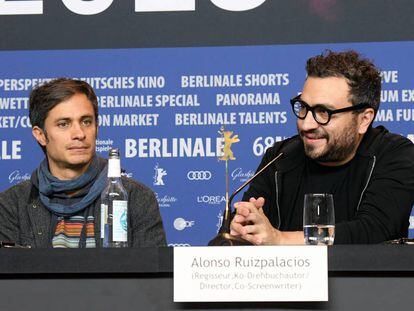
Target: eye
[
  {"x": 87, "y": 122},
  {"x": 321, "y": 110},
  {"x": 63, "y": 124},
  {"x": 322, "y": 113}
]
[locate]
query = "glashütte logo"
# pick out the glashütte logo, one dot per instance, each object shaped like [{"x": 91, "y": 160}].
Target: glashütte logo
[
  {"x": 181, "y": 223},
  {"x": 16, "y": 176},
  {"x": 199, "y": 175},
  {"x": 166, "y": 200},
  {"x": 211, "y": 199},
  {"x": 240, "y": 175},
  {"x": 159, "y": 175}
]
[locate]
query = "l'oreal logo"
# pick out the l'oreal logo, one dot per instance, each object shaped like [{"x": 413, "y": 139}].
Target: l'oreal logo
[{"x": 211, "y": 199}]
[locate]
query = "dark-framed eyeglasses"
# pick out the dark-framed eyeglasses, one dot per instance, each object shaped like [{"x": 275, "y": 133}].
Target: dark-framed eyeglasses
[{"x": 320, "y": 113}]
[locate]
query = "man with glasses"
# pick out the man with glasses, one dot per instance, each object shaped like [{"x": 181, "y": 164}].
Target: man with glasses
[{"x": 369, "y": 171}]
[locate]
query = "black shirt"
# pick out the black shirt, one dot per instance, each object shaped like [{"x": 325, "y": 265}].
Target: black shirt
[{"x": 317, "y": 178}]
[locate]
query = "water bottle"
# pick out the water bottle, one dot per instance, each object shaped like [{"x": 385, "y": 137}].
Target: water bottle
[{"x": 114, "y": 206}]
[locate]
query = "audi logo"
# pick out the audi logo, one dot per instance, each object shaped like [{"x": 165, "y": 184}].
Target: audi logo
[
  {"x": 178, "y": 244},
  {"x": 199, "y": 175}
]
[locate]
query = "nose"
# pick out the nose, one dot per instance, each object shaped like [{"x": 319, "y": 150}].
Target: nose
[
  {"x": 77, "y": 132},
  {"x": 308, "y": 123}
]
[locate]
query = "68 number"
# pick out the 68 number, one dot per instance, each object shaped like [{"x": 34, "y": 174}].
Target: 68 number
[{"x": 262, "y": 143}]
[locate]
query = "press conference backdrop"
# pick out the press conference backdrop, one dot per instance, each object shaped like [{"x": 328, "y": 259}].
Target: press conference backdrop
[{"x": 167, "y": 81}]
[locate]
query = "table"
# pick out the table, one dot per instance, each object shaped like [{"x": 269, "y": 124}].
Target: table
[{"x": 361, "y": 277}]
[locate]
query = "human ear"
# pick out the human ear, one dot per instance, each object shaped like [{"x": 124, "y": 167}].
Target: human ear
[
  {"x": 365, "y": 118},
  {"x": 39, "y": 135}
]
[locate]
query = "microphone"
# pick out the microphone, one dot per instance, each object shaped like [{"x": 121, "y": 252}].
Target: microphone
[{"x": 224, "y": 238}]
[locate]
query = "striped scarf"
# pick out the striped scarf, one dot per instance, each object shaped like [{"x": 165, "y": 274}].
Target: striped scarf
[{"x": 72, "y": 224}]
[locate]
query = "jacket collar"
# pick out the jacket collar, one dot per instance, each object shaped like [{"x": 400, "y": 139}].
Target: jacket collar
[{"x": 371, "y": 140}]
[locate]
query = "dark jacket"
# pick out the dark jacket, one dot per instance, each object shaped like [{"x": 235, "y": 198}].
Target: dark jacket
[
  {"x": 25, "y": 221},
  {"x": 380, "y": 187}
]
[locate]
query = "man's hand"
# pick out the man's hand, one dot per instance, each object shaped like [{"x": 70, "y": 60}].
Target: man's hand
[{"x": 251, "y": 224}]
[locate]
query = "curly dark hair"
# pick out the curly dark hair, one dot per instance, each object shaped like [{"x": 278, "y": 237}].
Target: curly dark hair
[{"x": 362, "y": 76}]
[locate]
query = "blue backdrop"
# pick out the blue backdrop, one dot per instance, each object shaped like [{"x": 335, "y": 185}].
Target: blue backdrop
[{"x": 163, "y": 107}]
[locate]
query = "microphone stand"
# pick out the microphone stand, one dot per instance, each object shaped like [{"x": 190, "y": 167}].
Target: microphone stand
[{"x": 224, "y": 238}]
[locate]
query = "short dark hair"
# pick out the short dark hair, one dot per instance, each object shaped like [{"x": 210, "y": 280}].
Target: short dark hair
[
  {"x": 363, "y": 78},
  {"x": 46, "y": 96}
]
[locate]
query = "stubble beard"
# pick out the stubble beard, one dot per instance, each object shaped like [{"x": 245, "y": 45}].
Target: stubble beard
[{"x": 336, "y": 149}]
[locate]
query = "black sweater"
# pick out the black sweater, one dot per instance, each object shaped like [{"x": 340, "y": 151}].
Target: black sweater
[{"x": 380, "y": 188}]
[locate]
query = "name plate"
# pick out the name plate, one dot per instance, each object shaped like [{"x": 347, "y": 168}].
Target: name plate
[{"x": 251, "y": 273}]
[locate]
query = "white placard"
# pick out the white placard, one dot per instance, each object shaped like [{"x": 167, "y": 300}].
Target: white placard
[{"x": 251, "y": 273}]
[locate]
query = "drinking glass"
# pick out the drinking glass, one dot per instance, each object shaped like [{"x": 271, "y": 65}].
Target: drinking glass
[{"x": 319, "y": 219}]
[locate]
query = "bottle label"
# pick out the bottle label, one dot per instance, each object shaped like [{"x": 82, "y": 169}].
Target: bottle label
[
  {"x": 104, "y": 219},
  {"x": 114, "y": 168},
  {"x": 120, "y": 221}
]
